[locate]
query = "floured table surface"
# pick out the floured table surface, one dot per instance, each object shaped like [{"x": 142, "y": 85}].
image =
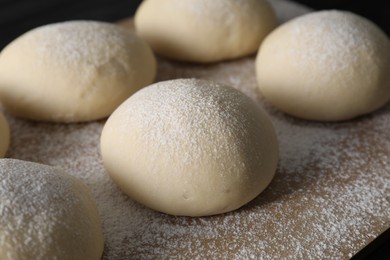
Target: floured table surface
[{"x": 330, "y": 196}]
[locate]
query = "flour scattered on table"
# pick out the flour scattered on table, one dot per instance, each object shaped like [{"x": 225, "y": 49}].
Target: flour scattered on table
[{"x": 330, "y": 196}]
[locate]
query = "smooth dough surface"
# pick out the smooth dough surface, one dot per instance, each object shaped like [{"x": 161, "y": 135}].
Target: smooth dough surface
[
  {"x": 46, "y": 214},
  {"x": 4, "y": 135},
  {"x": 204, "y": 30},
  {"x": 73, "y": 71},
  {"x": 328, "y": 65},
  {"x": 190, "y": 147}
]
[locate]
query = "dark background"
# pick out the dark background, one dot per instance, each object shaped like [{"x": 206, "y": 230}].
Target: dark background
[
  {"x": 377, "y": 11},
  {"x": 19, "y": 16}
]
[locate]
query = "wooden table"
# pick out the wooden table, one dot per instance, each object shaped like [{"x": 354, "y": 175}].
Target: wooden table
[{"x": 329, "y": 199}]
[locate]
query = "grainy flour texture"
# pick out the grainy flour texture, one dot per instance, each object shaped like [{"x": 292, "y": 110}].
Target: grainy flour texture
[{"x": 329, "y": 198}]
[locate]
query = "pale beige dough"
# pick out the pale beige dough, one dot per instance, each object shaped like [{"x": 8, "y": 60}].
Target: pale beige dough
[
  {"x": 73, "y": 71},
  {"x": 204, "y": 30},
  {"x": 190, "y": 147},
  {"x": 46, "y": 214},
  {"x": 327, "y": 65},
  {"x": 4, "y": 135}
]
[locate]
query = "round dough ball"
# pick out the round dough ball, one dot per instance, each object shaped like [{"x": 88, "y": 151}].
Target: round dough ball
[
  {"x": 4, "y": 135},
  {"x": 190, "y": 147},
  {"x": 46, "y": 214},
  {"x": 328, "y": 66},
  {"x": 204, "y": 30},
  {"x": 73, "y": 71}
]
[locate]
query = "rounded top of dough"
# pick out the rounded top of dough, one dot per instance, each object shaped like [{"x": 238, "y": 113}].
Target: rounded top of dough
[
  {"x": 73, "y": 71},
  {"x": 327, "y": 65},
  {"x": 190, "y": 147},
  {"x": 4, "y": 135},
  {"x": 204, "y": 30},
  {"x": 46, "y": 214}
]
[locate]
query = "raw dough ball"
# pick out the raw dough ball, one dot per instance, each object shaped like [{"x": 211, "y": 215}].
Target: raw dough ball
[
  {"x": 328, "y": 65},
  {"x": 46, "y": 214},
  {"x": 204, "y": 30},
  {"x": 190, "y": 147},
  {"x": 73, "y": 71},
  {"x": 4, "y": 135}
]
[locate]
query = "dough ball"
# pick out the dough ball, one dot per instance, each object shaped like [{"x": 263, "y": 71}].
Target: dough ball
[
  {"x": 328, "y": 65},
  {"x": 4, "y": 135},
  {"x": 73, "y": 71},
  {"x": 204, "y": 30},
  {"x": 46, "y": 214},
  {"x": 190, "y": 147}
]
